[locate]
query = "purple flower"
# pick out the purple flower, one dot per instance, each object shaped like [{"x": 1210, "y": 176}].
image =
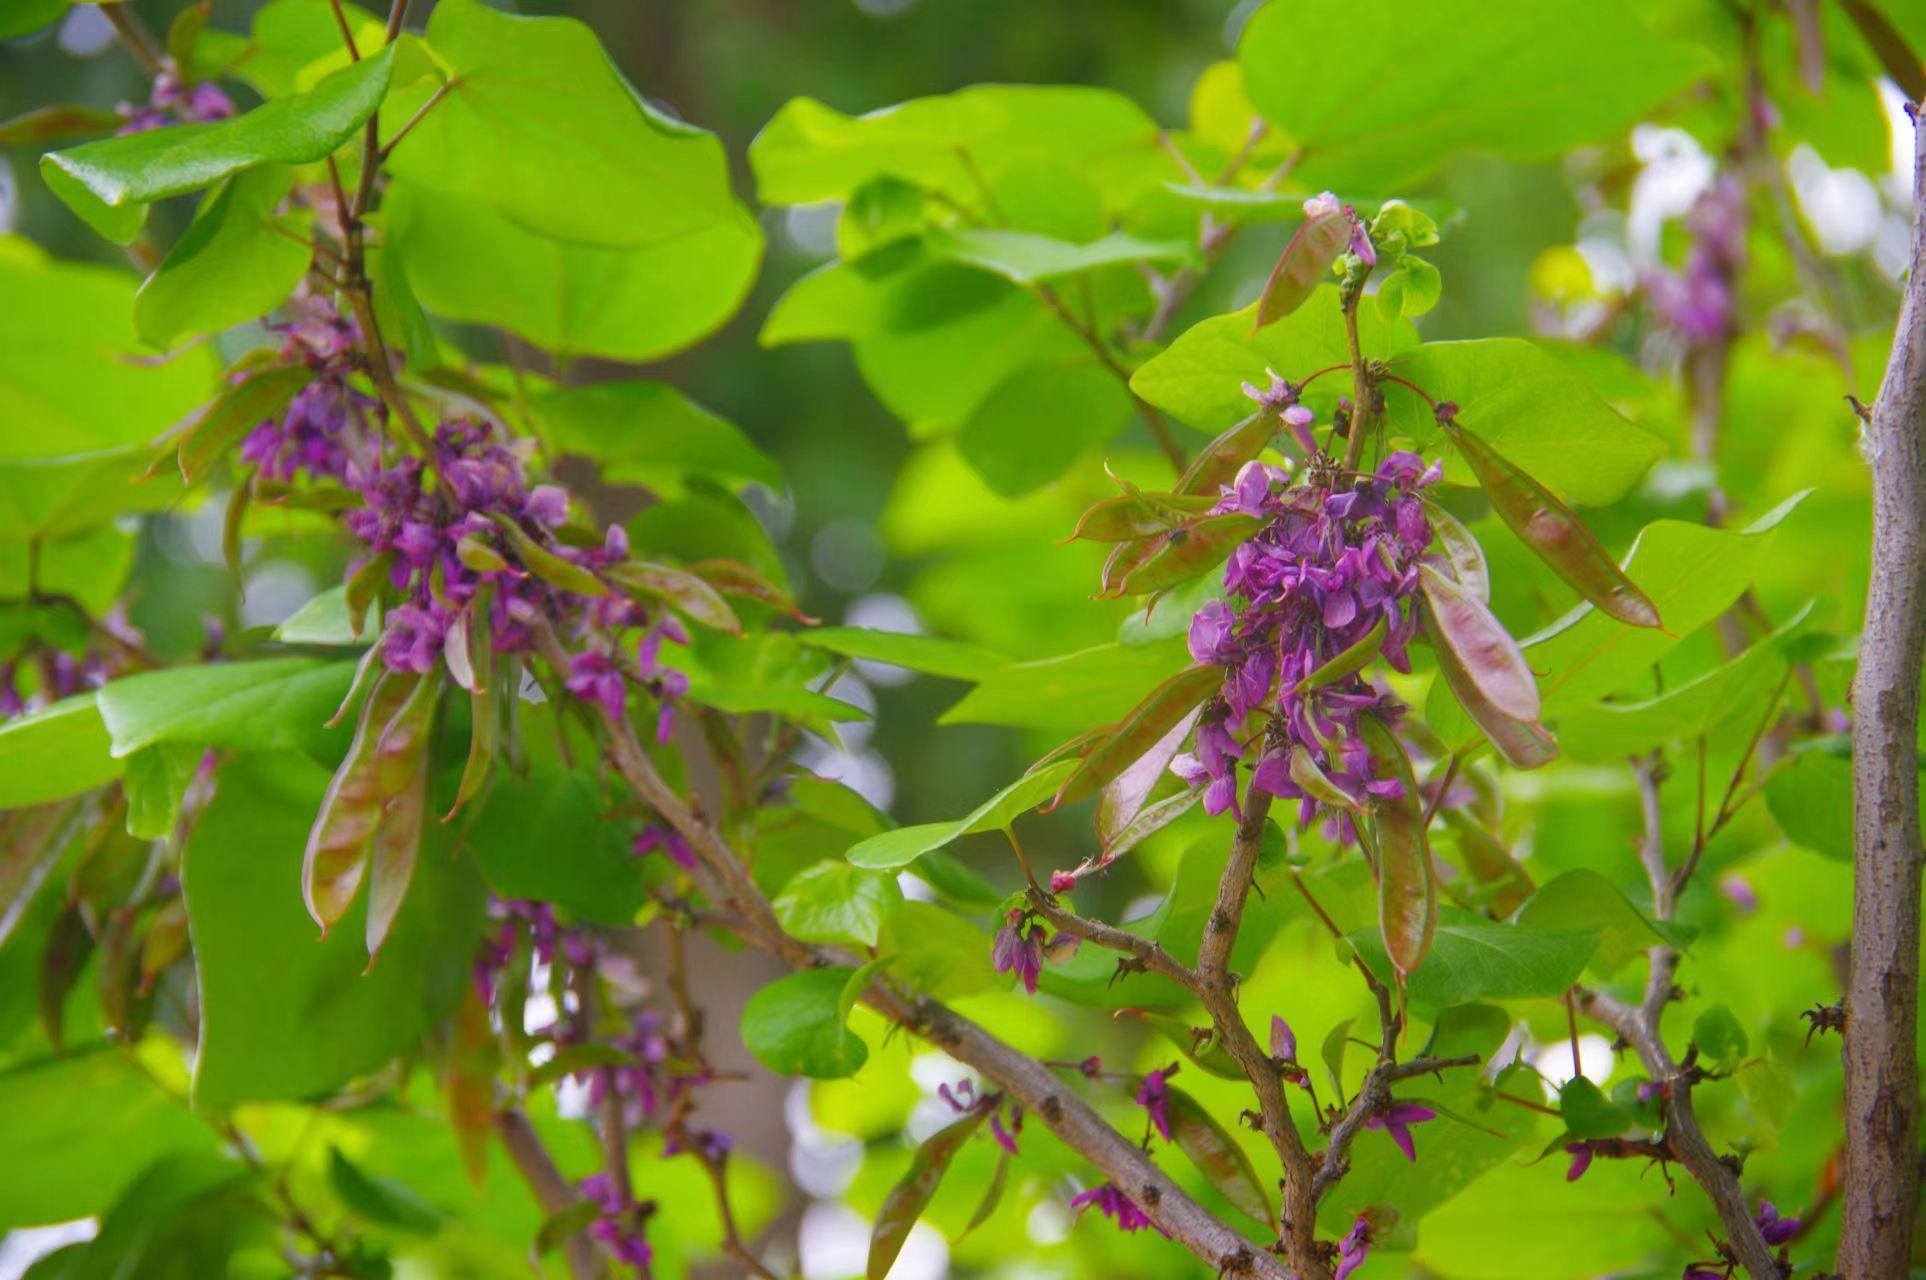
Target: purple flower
[
  {"x": 1006, "y": 1138},
  {"x": 1283, "y": 1040},
  {"x": 1116, "y": 1206},
  {"x": 1581, "y": 1154},
  {"x": 594, "y": 677},
  {"x": 414, "y": 637},
  {"x": 1019, "y": 952},
  {"x": 1397, "y": 1120},
  {"x": 1354, "y": 1248},
  {"x": 546, "y": 505},
  {"x": 1153, "y": 1095},
  {"x": 1776, "y": 1230},
  {"x": 1319, "y": 205},
  {"x": 1697, "y": 1271},
  {"x": 669, "y": 842}
]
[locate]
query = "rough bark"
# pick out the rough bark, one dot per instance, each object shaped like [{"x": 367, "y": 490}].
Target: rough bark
[{"x": 1882, "y": 993}]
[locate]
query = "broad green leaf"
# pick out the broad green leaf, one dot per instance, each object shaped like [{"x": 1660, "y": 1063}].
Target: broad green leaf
[
  {"x": 379, "y": 1201},
  {"x": 269, "y": 704},
  {"x": 1726, "y": 702},
  {"x": 931, "y": 655},
  {"x": 1692, "y": 573},
  {"x": 110, "y": 183},
  {"x": 1583, "y": 901},
  {"x": 66, "y": 384},
  {"x": 324, "y": 620},
  {"x": 904, "y": 845},
  {"x": 42, "y": 498},
  {"x": 1199, "y": 378},
  {"x": 236, "y": 261},
  {"x": 572, "y": 299},
  {"x": 1529, "y": 406},
  {"x": 648, "y": 432},
  {"x": 1812, "y": 800},
  {"x": 1035, "y": 423},
  {"x": 1720, "y": 1038},
  {"x": 1420, "y": 84},
  {"x": 836, "y": 902},
  {"x": 1588, "y": 1113},
  {"x": 56, "y": 752},
  {"x": 939, "y": 953},
  {"x": 1473, "y": 959},
  {"x": 86, "y": 1124},
  {"x": 285, "y": 1015},
  {"x": 24, "y": 17},
  {"x": 794, "y": 1027},
  {"x": 548, "y": 837},
  {"x": 186, "y": 1214},
  {"x": 288, "y": 41},
  {"x": 156, "y": 783},
  {"x": 953, "y": 144},
  {"x": 537, "y": 124},
  {"x": 1094, "y": 686},
  {"x": 1024, "y": 257}
]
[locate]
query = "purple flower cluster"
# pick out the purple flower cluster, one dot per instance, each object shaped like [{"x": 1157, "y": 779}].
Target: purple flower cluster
[
  {"x": 1153, "y": 1095},
  {"x": 446, "y": 530},
  {"x": 1113, "y": 1204},
  {"x": 1325, "y": 570},
  {"x": 1018, "y": 949},
  {"x": 57, "y": 674},
  {"x": 547, "y": 936},
  {"x": 171, "y": 101},
  {"x": 1697, "y": 303},
  {"x": 1354, "y": 1248},
  {"x": 638, "y": 1085},
  {"x": 619, "y": 1225},
  {"x": 669, "y": 843}
]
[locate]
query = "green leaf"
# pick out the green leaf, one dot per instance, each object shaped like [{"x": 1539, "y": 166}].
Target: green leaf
[
  {"x": 324, "y": 620},
  {"x": 66, "y": 386},
  {"x": 51, "y": 498},
  {"x": 538, "y": 125},
  {"x": 548, "y": 837},
  {"x": 953, "y": 144},
  {"x": 227, "y": 421},
  {"x": 904, "y": 845},
  {"x": 237, "y": 260},
  {"x": 1588, "y": 1113},
  {"x": 86, "y": 1124},
  {"x": 1728, "y": 701},
  {"x": 382, "y": 1202},
  {"x": 931, "y": 655},
  {"x": 836, "y": 902},
  {"x": 793, "y": 1026},
  {"x": 1583, "y": 901},
  {"x": 1199, "y": 378},
  {"x": 1691, "y": 573},
  {"x": 1529, "y": 406},
  {"x": 270, "y": 704},
  {"x": 186, "y": 1214},
  {"x": 1026, "y": 258},
  {"x": 291, "y": 42},
  {"x": 1473, "y": 959},
  {"x": 1720, "y": 1038},
  {"x": 285, "y": 1015},
  {"x": 56, "y": 752},
  {"x": 1411, "y": 289},
  {"x": 1030, "y": 427},
  {"x": 571, "y": 299},
  {"x": 647, "y": 432},
  {"x": 110, "y": 183},
  {"x": 1093, "y": 686},
  {"x": 1419, "y": 84},
  {"x": 156, "y": 783},
  {"x": 1812, "y": 801}
]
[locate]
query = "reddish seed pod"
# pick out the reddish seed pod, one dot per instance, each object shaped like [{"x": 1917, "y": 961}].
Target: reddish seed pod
[
  {"x": 1188, "y": 552},
  {"x": 1220, "y": 460},
  {"x": 1302, "y": 266},
  {"x": 1483, "y": 648},
  {"x": 1407, "y": 889},
  {"x": 1524, "y": 744},
  {"x": 1141, "y": 730}
]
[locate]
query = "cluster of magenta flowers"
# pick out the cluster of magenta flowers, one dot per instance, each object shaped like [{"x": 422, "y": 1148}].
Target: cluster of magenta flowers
[
  {"x": 173, "y": 101},
  {"x": 40, "y": 675},
  {"x": 548, "y": 938},
  {"x": 448, "y": 531},
  {"x": 1022, "y": 945},
  {"x": 1113, "y": 1204},
  {"x": 1328, "y": 568},
  {"x": 620, "y": 1222},
  {"x": 1697, "y": 303},
  {"x": 1775, "y": 1230}
]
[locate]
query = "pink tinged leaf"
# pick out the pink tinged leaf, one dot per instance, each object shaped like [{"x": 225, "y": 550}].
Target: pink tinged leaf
[
  {"x": 1142, "y": 731},
  {"x": 1124, "y": 796},
  {"x": 1218, "y": 1156},
  {"x": 1220, "y": 460},
  {"x": 1154, "y": 818},
  {"x": 342, "y": 837},
  {"x": 680, "y": 588},
  {"x": 1303, "y": 265},
  {"x": 909, "y": 1197},
  {"x": 1483, "y": 648},
  {"x": 1407, "y": 889}
]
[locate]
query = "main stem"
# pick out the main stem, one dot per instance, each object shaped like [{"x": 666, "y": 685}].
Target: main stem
[{"x": 1882, "y": 989}]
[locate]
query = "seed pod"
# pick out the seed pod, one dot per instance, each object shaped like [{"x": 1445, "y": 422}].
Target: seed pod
[
  {"x": 680, "y": 588},
  {"x": 1139, "y": 515},
  {"x": 1351, "y": 661},
  {"x": 1461, "y": 551},
  {"x": 1407, "y": 889},
  {"x": 1199, "y": 1044},
  {"x": 548, "y": 566},
  {"x": 479, "y": 554},
  {"x": 1523, "y": 744},
  {"x": 1303, "y": 265},
  {"x": 1480, "y": 644},
  {"x": 236, "y": 412},
  {"x": 734, "y": 579},
  {"x": 1553, "y": 531},
  {"x": 343, "y": 833},
  {"x": 484, "y": 707},
  {"x": 397, "y": 842},
  {"x": 908, "y": 1198},
  {"x": 1124, "y": 796},
  {"x": 1140, "y": 731},
  {"x": 1318, "y": 784},
  {"x": 1220, "y": 460},
  {"x": 1188, "y": 552},
  {"x": 1125, "y": 559},
  {"x": 1219, "y": 1156}
]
